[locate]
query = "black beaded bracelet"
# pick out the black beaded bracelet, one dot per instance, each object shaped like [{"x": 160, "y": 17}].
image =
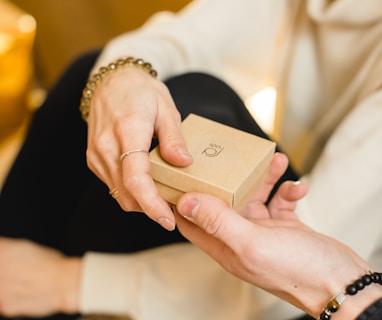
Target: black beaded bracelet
[
  {"x": 96, "y": 78},
  {"x": 352, "y": 289}
]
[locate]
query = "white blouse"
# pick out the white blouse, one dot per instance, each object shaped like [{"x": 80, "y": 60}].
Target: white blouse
[{"x": 325, "y": 62}]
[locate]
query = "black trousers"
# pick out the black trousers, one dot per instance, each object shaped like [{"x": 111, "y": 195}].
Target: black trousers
[{"x": 52, "y": 198}]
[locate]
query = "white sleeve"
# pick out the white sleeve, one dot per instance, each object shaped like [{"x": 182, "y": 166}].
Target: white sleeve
[
  {"x": 156, "y": 284},
  {"x": 345, "y": 187},
  {"x": 172, "y": 282},
  {"x": 204, "y": 37}
]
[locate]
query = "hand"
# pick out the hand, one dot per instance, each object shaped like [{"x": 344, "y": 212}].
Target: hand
[
  {"x": 128, "y": 109},
  {"x": 36, "y": 281},
  {"x": 270, "y": 247}
]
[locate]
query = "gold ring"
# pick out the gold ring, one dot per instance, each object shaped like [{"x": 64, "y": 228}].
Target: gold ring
[
  {"x": 114, "y": 193},
  {"x": 127, "y": 153}
]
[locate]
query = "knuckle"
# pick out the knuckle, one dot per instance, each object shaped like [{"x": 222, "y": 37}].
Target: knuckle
[
  {"x": 132, "y": 124},
  {"x": 173, "y": 139},
  {"x": 133, "y": 182},
  {"x": 90, "y": 158},
  {"x": 120, "y": 125},
  {"x": 213, "y": 224},
  {"x": 101, "y": 146},
  {"x": 177, "y": 116},
  {"x": 129, "y": 205}
]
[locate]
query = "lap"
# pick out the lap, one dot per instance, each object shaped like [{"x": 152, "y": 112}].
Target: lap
[{"x": 51, "y": 197}]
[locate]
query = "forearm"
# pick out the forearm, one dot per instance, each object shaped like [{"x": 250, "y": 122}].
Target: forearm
[{"x": 165, "y": 282}]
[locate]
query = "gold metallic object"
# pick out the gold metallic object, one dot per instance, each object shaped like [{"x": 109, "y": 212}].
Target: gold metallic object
[
  {"x": 129, "y": 152},
  {"x": 17, "y": 34},
  {"x": 96, "y": 78},
  {"x": 114, "y": 193}
]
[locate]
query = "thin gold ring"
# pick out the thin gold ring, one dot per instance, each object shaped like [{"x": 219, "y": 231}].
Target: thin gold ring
[
  {"x": 129, "y": 152},
  {"x": 114, "y": 193}
]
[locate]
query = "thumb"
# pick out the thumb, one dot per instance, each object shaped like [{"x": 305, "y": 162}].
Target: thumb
[
  {"x": 214, "y": 217},
  {"x": 172, "y": 144}
]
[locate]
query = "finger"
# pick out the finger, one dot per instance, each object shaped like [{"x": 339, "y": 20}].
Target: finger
[
  {"x": 101, "y": 157},
  {"x": 215, "y": 218},
  {"x": 277, "y": 168},
  {"x": 103, "y": 144},
  {"x": 128, "y": 115},
  {"x": 140, "y": 185},
  {"x": 99, "y": 167},
  {"x": 208, "y": 243},
  {"x": 284, "y": 202},
  {"x": 172, "y": 144},
  {"x": 252, "y": 209},
  {"x": 135, "y": 181}
]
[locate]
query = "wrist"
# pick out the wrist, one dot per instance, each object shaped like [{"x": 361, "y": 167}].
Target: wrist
[
  {"x": 69, "y": 285},
  {"x": 355, "y": 305},
  {"x": 103, "y": 72},
  {"x": 362, "y": 292}
]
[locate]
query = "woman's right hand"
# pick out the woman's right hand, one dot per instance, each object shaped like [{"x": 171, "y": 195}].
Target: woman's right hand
[{"x": 130, "y": 107}]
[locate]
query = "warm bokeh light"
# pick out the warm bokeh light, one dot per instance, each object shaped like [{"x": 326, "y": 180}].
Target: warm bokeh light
[
  {"x": 262, "y": 106},
  {"x": 26, "y": 23},
  {"x": 9, "y": 30},
  {"x": 5, "y": 42},
  {"x": 17, "y": 33}
]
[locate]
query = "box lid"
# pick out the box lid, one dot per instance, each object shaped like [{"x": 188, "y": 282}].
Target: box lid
[{"x": 228, "y": 163}]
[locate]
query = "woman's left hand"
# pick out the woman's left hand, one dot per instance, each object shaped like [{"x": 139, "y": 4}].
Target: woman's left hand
[{"x": 268, "y": 246}]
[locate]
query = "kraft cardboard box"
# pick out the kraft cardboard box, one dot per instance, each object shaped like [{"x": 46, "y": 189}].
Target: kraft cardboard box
[{"x": 228, "y": 163}]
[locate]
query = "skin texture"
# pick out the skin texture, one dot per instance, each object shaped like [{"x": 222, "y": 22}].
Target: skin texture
[
  {"x": 36, "y": 280},
  {"x": 253, "y": 244},
  {"x": 140, "y": 108},
  {"x": 126, "y": 115}
]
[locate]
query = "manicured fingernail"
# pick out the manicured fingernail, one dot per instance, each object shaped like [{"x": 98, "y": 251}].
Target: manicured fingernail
[
  {"x": 190, "y": 208},
  {"x": 166, "y": 223},
  {"x": 296, "y": 183}
]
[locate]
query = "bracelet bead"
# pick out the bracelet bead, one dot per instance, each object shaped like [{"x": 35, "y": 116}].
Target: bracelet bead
[
  {"x": 333, "y": 306},
  {"x": 351, "y": 290},
  {"x": 96, "y": 78}
]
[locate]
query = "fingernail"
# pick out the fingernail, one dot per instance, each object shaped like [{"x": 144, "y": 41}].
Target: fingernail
[
  {"x": 296, "y": 183},
  {"x": 166, "y": 223},
  {"x": 190, "y": 208},
  {"x": 184, "y": 153}
]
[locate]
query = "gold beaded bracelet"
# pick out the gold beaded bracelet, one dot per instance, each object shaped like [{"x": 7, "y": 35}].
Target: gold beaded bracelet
[{"x": 96, "y": 78}]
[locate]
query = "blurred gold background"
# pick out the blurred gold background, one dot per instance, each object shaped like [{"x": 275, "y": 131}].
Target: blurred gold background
[
  {"x": 34, "y": 52},
  {"x": 68, "y": 27}
]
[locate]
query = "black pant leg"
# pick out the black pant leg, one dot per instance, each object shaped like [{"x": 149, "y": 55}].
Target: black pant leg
[
  {"x": 128, "y": 232},
  {"x": 52, "y": 198},
  {"x": 50, "y": 173},
  {"x": 210, "y": 97},
  {"x": 50, "y": 195}
]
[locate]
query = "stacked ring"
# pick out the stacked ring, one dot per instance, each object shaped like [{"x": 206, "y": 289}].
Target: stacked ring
[{"x": 114, "y": 193}]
